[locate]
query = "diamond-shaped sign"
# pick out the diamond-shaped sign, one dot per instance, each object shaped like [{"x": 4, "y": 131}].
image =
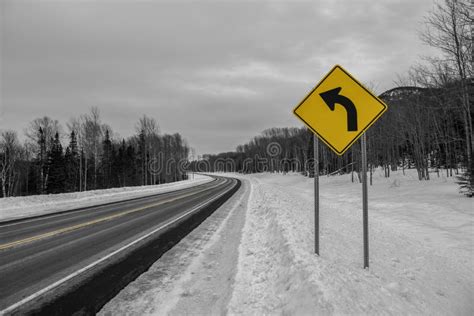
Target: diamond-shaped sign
[{"x": 339, "y": 110}]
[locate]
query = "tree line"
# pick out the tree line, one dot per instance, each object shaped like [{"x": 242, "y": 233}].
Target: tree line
[
  {"x": 88, "y": 157},
  {"x": 423, "y": 129},
  {"x": 428, "y": 125}
]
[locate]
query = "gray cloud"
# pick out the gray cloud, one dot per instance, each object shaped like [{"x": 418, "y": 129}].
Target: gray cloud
[{"x": 217, "y": 72}]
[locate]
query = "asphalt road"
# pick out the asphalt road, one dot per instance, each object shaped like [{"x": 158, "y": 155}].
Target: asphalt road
[{"x": 39, "y": 254}]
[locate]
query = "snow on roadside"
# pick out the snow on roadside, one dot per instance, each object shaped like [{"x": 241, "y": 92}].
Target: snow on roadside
[
  {"x": 195, "y": 277},
  {"x": 255, "y": 254},
  {"x": 27, "y": 206},
  {"x": 421, "y": 248}
]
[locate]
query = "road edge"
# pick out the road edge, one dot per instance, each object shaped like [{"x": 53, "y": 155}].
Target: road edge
[
  {"x": 96, "y": 287},
  {"x": 20, "y": 219}
]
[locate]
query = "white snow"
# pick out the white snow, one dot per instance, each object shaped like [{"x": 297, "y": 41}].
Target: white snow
[
  {"x": 195, "y": 277},
  {"x": 421, "y": 248},
  {"x": 27, "y": 206},
  {"x": 255, "y": 254}
]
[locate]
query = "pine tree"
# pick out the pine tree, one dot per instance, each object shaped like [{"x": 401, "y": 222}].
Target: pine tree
[
  {"x": 73, "y": 144},
  {"x": 107, "y": 157},
  {"x": 41, "y": 160},
  {"x": 132, "y": 167},
  {"x": 142, "y": 155},
  {"x": 56, "y": 175},
  {"x": 68, "y": 171},
  {"x": 119, "y": 165},
  {"x": 466, "y": 181},
  {"x": 71, "y": 162}
]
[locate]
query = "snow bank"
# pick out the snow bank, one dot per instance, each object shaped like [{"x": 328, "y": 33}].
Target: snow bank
[
  {"x": 421, "y": 248},
  {"x": 20, "y": 207},
  {"x": 195, "y": 277}
]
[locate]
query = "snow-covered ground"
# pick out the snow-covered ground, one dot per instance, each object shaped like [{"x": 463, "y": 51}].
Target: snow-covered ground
[
  {"x": 195, "y": 277},
  {"x": 255, "y": 254},
  {"x": 421, "y": 248},
  {"x": 19, "y": 207}
]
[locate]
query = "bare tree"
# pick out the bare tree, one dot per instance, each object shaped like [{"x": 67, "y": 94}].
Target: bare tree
[
  {"x": 149, "y": 130},
  {"x": 92, "y": 132},
  {"x": 449, "y": 29},
  {"x": 9, "y": 154},
  {"x": 49, "y": 128}
]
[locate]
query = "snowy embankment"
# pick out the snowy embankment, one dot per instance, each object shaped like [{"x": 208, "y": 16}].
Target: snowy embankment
[
  {"x": 33, "y": 205},
  {"x": 421, "y": 248},
  {"x": 195, "y": 277},
  {"x": 255, "y": 254}
]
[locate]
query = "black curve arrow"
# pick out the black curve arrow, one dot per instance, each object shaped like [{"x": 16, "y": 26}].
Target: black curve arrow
[{"x": 331, "y": 97}]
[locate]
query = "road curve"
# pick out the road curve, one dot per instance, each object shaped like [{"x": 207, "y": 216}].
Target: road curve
[{"x": 39, "y": 255}]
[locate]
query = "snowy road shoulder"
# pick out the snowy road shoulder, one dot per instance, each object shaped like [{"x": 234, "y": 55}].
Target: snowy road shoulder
[
  {"x": 195, "y": 276},
  {"x": 21, "y": 207},
  {"x": 255, "y": 254}
]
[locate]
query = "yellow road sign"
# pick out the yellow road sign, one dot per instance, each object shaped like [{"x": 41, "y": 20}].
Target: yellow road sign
[{"x": 339, "y": 110}]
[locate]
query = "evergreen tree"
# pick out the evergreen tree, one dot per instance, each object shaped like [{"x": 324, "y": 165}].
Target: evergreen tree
[
  {"x": 142, "y": 155},
  {"x": 107, "y": 158},
  {"x": 41, "y": 161},
  {"x": 466, "y": 181},
  {"x": 56, "y": 174},
  {"x": 119, "y": 165},
  {"x": 68, "y": 171},
  {"x": 132, "y": 167},
  {"x": 73, "y": 144},
  {"x": 71, "y": 162}
]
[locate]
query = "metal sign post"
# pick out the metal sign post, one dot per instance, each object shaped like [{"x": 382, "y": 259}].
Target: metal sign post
[
  {"x": 339, "y": 110},
  {"x": 316, "y": 194},
  {"x": 365, "y": 207}
]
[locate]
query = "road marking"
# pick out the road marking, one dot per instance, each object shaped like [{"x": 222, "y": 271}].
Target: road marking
[
  {"x": 37, "y": 294},
  {"x": 87, "y": 208},
  {"x": 99, "y": 220}
]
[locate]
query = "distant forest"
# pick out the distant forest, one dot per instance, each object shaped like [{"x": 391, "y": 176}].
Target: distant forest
[
  {"x": 92, "y": 159},
  {"x": 428, "y": 125}
]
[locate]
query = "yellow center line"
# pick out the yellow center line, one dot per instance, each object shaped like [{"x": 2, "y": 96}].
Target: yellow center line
[{"x": 99, "y": 220}]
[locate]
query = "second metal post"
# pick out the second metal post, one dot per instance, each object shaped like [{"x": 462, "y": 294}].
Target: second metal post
[
  {"x": 365, "y": 207},
  {"x": 316, "y": 194}
]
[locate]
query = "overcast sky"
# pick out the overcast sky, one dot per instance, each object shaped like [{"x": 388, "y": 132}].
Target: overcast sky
[{"x": 218, "y": 72}]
